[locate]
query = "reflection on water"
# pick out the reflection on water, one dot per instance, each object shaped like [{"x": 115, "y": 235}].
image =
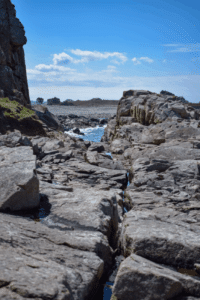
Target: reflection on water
[{"x": 107, "y": 292}]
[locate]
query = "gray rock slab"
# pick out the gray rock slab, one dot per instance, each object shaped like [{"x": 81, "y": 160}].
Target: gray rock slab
[
  {"x": 19, "y": 185},
  {"x": 161, "y": 238},
  {"x": 41, "y": 263},
  {"x": 139, "y": 278}
]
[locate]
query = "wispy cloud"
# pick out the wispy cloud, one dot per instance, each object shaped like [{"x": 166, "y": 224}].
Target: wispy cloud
[
  {"x": 95, "y": 55},
  {"x": 137, "y": 61},
  {"x": 61, "y": 75},
  {"x": 49, "y": 68},
  {"x": 113, "y": 86},
  {"x": 147, "y": 59},
  {"x": 184, "y": 47}
]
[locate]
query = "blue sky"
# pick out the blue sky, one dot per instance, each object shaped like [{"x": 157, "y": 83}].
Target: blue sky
[{"x": 83, "y": 49}]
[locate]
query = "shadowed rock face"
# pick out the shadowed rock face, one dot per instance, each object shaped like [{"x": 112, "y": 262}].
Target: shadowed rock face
[{"x": 13, "y": 79}]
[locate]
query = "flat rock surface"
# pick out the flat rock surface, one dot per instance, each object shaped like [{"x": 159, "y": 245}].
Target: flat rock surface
[{"x": 19, "y": 185}]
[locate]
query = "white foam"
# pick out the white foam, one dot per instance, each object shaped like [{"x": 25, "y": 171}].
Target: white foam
[{"x": 87, "y": 130}]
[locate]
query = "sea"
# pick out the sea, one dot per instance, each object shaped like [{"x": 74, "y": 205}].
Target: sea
[{"x": 92, "y": 134}]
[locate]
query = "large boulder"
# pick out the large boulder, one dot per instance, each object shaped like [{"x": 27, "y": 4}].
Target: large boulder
[
  {"x": 19, "y": 185},
  {"x": 48, "y": 118},
  {"x": 13, "y": 78},
  {"x": 140, "y": 279}
]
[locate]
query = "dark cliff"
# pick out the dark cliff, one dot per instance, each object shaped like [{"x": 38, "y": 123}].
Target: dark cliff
[{"x": 13, "y": 78}]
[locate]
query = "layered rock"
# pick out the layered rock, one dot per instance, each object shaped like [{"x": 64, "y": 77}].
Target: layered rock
[
  {"x": 13, "y": 78},
  {"x": 157, "y": 138},
  {"x": 65, "y": 247}
]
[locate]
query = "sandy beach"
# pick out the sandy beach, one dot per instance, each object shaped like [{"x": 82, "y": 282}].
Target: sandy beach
[{"x": 96, "y": 112}]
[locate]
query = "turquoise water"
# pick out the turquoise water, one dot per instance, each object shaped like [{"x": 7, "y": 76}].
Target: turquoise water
[{"x": 92, "y": 134}]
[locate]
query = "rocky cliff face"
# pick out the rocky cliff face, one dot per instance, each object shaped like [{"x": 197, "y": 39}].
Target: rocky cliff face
[{"x": 13, "y": 79}]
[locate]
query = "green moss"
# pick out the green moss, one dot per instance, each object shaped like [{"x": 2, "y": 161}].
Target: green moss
[
  {"x": 113, "y": 297},
  {"x": 15, "y": 110}
]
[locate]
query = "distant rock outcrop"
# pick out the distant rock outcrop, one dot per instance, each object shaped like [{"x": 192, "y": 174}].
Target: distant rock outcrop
[
  {"x": 53, "y": 101},
  {"x": 13, "y": 79},
  {"x": 67, "y": 102}
]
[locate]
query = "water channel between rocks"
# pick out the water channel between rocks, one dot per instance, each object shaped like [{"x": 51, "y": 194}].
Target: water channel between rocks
[{"x": 94, "y": 135}]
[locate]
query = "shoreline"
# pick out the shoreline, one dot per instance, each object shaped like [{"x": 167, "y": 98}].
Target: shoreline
[{"x": 89, "y": 111}]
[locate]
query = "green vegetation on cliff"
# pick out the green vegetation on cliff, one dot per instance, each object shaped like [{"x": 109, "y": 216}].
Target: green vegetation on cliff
[
  {"x": 15, "y": 110},
  {"x": 13, "y": 116}
]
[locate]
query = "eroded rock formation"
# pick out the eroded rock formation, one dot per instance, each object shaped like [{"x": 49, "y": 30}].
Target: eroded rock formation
[
  {"x": 157, "y": 138},
  {"x": 13, "y": 78}
]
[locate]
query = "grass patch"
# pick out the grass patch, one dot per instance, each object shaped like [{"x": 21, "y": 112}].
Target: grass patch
[
  {"x": 15, "y": 110},
  {"x": 113, "y": 297}
]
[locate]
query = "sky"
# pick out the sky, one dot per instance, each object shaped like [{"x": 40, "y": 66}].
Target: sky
[{"x": 84, "y": 49}]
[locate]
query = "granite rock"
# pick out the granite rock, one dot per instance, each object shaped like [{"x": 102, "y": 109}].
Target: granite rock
[{"x": 13, "y": 78}]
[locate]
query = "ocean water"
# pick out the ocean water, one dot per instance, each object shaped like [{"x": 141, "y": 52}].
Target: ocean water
[{"x": 92, "y": 134}]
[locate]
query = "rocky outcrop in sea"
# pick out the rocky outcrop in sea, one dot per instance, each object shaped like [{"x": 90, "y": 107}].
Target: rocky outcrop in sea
[{"x": 13, "y": 79}]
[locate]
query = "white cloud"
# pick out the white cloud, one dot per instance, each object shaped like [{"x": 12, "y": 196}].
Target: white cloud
[
  {"x": 136, "y": 61},
  {"x": 172, "y": 45},
  {"x": 147, "y": 59},
  {"x": 46, "y": 68},
  {"x": 112, "y": 68},
  {"x": 62, "y": 58},
  {"x": 95, "y": 55},
  {"x": 184, "y": 47}
]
